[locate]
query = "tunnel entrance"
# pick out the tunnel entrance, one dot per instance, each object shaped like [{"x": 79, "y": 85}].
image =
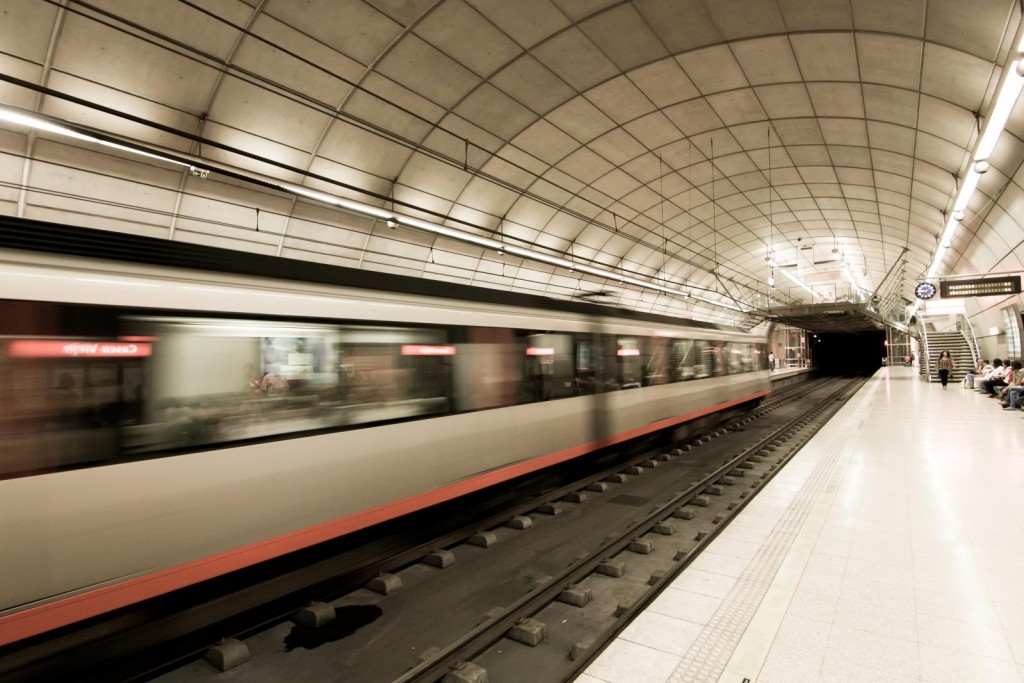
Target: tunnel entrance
[{"x": 848, "y": 354}]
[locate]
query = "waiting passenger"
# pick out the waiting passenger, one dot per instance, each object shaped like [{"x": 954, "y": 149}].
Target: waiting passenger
[
  {"x": 980, "y": 370},
  {"x": 1011, "y": 395},
  {"x": 1010, "y": 378},
  {"x": 995, "y": 379},
  {"x": 996, "y": 364}
]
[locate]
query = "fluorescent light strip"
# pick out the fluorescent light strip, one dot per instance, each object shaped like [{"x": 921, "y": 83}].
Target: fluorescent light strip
[
  {"x": 31, "y": 121},
  {"x": 967, "y": 189},
  {"x": 534, "y": 256},
  {"x": 797, "y": 280},
  {"x": 449, "y": 232},
  {"x": 792, "y": 277},
  {"x": 1008, "y": 95},
  {"x": 338, "y": 201},
  {"x": 38, "y": 123},
  {"x": 723, "y": 304},
  {"x": 849, "y": 277}
]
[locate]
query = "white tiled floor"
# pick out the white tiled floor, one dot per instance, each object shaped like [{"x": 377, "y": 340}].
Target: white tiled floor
[{"x": 890, "y": 549}]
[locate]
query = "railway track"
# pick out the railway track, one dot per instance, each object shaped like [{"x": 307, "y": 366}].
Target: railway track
[{"x": 680, "y": 527}]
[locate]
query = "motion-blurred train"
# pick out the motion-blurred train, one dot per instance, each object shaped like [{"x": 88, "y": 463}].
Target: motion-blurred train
[{"x": 172, "y": 413}]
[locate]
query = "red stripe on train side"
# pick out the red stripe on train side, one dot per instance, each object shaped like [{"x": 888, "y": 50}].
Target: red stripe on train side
[{"x": 64, "y": 611}]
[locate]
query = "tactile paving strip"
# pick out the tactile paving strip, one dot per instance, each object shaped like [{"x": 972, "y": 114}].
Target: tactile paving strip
[{"x": 708, "y": 656}]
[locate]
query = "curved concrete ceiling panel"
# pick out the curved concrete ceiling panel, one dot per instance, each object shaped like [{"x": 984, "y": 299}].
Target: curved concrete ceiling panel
[{"x": 684, "y": 142}]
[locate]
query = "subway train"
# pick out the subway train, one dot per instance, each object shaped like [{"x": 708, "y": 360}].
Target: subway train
[{"x": 173, "y": 412}]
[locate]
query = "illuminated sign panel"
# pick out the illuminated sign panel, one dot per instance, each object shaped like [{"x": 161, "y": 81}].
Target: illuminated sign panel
[
  {"x": 48, "y": 348},
  {"x": 538, "y": 351},
  {"x": 422, "y": 350},
  {"x": 989, "y": 286}
]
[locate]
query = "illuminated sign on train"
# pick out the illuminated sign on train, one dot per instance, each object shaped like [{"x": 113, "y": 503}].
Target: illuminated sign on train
[
  {"x": 60, "y": 348},
  {"x": 539, "y": 351},
  {"x": 629, "y": 352},
  {"x": 423, "y": 350}
]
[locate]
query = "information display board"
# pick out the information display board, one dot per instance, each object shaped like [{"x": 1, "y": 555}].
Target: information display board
[{"x": 989, "y": 286}]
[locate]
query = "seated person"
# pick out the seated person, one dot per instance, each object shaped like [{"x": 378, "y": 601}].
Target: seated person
[
  {"x": 994, "y": 379},
  {"x": 982, "y": 367},
  {"x": 1011, "y": 395},
  {"x": 991, "y": 368},
  {"x": 1009, "y": 378}
]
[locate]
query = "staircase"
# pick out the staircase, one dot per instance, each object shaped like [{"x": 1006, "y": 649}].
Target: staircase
[{"x": 958, "y": 348}]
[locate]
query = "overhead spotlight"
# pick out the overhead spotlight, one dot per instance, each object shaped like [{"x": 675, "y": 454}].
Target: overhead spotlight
[
  {"x": 959, "y": 215},
  {"x": 1020, "y": 67},
  {"x": 771, "y": 280},
  {"x": 392, "y": 225},
  {"x": 981, "y": 166},
  {"x": 501, "y": 251}
]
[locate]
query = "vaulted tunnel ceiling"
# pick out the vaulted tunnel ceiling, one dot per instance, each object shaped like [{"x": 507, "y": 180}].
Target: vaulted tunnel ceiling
[{"x": 687, "y": 142}]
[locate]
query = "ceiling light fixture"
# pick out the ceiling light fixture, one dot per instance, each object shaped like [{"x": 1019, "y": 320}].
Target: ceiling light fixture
[
  {"x": 28, "y": 120},
  {"x": 849, "y": 278},
  {"x": 35, "y": 122},
  {"x": 1008, "y": 94},
  {"x": 797, "y": 281}
]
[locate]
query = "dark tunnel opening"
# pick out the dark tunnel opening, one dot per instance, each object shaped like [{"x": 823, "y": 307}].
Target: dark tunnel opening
[{"x": 848, "y": 354}]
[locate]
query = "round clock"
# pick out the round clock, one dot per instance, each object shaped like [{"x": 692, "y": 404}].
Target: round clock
[{"x": 925, "y": 290}]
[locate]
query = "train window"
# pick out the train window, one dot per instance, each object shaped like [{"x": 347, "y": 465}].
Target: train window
[
  {"x": 683, "y": 360},
  {"x": 739, "y": 357},
  {"x": 587, "y": 361},
  {"x": 548, "y": 366},
  {"x": 714, "y": 359},
  {"x": 630, "y": 366},
  {"x": 227, "y": 380},
  {"x": 655, "y": 370},
  {"x": 67, "y": 398}
]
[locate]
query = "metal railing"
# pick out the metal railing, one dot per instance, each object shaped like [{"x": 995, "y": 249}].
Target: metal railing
[
  {"x": 926, "y": 359},
  {"x": 972, "y": 340}
]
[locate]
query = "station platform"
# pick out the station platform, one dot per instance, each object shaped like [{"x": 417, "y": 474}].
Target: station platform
[
  {"x": 891, "y": 548},
  {"x": 783, "y": 376}
]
